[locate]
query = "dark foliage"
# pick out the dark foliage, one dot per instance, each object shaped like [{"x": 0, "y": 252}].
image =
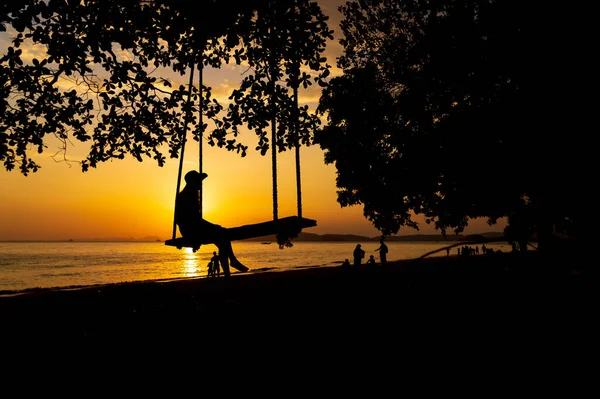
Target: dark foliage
[
  {"x": 445, "y": 109},
  {"x": 97, "y": 81}
]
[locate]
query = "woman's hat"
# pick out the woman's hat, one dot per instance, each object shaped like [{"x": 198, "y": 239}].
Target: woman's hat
[{"x": 194, "y": 176}]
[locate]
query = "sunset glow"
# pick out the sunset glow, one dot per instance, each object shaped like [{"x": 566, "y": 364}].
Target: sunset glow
[{"x": 129, "y": 199}]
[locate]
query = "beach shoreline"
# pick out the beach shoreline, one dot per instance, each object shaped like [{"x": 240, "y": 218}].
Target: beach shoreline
[
  {"x": 453, "y": 299},
  {"x": 497, "y": 264}
]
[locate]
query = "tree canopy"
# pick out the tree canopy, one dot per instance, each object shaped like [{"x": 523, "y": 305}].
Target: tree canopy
[
  {"x": 444, "y": 110},
  {"x": 99, "y": 79}
]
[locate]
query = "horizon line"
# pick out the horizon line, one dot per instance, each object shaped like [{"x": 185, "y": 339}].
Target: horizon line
[{"x": 158, "y": 239}]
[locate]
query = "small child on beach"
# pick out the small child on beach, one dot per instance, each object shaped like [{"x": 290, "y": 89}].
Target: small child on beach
[
  {"x": 371, "y": 260},
  {"x": 209, "y": 269}
]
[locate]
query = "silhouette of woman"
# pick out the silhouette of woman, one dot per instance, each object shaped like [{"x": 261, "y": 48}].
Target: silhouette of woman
[
  {"x": 359, "y": 254},
  {"x": 191, "y": 225}
]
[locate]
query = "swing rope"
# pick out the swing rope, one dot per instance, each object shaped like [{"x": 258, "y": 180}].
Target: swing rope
[
  {"x": 273, "y": 123},
  {"x": 183, "y": 140},
  {"x": 201, "y": 111},
  {"x": 274, "y": 159},
  {"x": 297, "y": 117},
  {"x": 297, "y": 137}
]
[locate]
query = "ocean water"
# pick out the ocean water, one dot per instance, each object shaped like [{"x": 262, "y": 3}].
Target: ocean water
[{"x": 27, "y": 265}]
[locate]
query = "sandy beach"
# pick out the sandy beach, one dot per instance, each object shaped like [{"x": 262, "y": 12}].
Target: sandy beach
[{"x": 370, "y": 311}]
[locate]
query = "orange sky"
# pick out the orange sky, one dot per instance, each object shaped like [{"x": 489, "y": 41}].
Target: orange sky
[{"x": 126, "y": 198}]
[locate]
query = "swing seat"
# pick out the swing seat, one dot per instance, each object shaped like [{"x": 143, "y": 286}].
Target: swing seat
[{"x": 288, "y": 227}]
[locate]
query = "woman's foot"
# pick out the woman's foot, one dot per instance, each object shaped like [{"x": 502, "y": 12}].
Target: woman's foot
[{"x": 236, "y": 264}]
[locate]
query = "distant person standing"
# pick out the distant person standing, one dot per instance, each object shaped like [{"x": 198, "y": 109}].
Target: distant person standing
[
  {"x": 216, "y": 265},
  {"x": 383, "y": 250},
  {"x": 359, "y": 254}
]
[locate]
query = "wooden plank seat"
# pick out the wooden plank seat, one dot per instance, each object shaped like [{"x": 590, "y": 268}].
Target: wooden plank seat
[{"x": 285, "y": 228}]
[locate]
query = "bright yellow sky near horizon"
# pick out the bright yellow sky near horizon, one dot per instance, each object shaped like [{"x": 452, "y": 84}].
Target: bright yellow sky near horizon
[{"x": 129, "y": 199}]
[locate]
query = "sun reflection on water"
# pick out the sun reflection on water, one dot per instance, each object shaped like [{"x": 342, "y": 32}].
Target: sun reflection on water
[{"x": 191, "y": 263}]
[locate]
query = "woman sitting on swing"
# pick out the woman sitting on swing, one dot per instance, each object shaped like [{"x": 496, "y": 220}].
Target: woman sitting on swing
[{"x": 193, "y": 226}]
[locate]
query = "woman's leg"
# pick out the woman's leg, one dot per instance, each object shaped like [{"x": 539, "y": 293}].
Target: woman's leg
[
  {"x": 227, "y": 252},
  {"x": 224, "y": 250}
]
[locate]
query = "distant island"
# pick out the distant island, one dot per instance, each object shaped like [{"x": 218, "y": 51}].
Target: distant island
[
  {"x": 311, "y": 237},
  {"x": 119, "y": 239}
]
